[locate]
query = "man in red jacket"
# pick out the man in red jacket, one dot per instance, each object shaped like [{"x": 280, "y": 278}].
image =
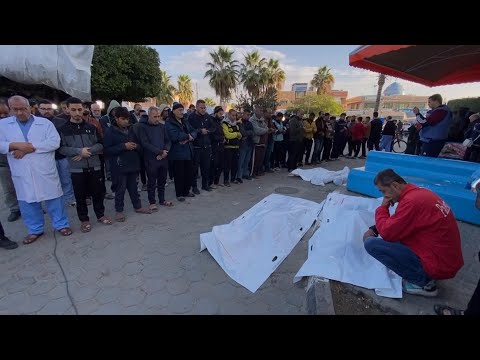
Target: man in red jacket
[{"x": 421, "y": 241}]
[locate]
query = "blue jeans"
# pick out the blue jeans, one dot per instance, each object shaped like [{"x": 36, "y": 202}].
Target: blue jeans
[
  {"x": 317, "y": 149},
  {"x": 63, "y": 169},
  {"x": 244, "y": 160},
  {"x": 398, "y": 258},
  {"x": 386, "y": 143},
  {"x": 34, "y": 220}
]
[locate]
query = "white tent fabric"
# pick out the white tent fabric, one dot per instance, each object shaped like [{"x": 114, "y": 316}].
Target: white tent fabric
[
  {"x": 321, "y": 176},
  {"x": 62, "y": 67},
  {"x": 336, "y": 249},
  {"x": 251, "y": 247}
]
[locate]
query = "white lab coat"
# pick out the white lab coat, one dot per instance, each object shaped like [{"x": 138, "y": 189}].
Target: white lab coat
[{"x": 35, "y": 176}]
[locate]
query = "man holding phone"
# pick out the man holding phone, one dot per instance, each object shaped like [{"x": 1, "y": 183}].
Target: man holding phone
[{"x": 420, "y": 241}]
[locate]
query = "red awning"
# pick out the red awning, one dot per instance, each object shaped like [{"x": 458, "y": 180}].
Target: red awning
[{"x": 430, "y": 65}]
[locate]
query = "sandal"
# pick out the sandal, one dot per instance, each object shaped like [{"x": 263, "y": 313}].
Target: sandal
[
  {"x": 66, "y": 231},
  {"x": 153, "y": 208},
  {"x": 143, "y": 211},
  {"x": 31, "y": 238},
  {"x": 105, "y": 220},
  {"x": 85, "y": 227},
  {"x": 167, "y": 203},
  {"x": 120, "y": 217},
  {"x": 440, "y": 310}
]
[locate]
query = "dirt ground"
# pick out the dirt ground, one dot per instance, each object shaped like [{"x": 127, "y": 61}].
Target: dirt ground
[{"x": 348, "y": 303}]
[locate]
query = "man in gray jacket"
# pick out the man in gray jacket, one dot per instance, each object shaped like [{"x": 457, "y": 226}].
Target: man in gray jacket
[{"x": 81, "y": 144}]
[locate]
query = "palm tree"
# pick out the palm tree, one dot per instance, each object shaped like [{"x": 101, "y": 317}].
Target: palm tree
[
  {"x": 223, "y": 73},
  {"x": 323, "y": 80},
  {"x": 275, "y": 74},
  {"x": 253, "y": 74},
  {"x": 210, "y": 102},
  {"x": 167, "y": 90},
  {"x": 184, "y": 92},
  {"x": 381, "y": 82}
]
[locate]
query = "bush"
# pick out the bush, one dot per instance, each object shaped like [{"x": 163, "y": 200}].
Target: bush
[{"x": 472, "y": 103}]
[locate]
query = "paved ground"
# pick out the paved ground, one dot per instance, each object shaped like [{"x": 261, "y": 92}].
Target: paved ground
[{"x": 151, "y": 263}]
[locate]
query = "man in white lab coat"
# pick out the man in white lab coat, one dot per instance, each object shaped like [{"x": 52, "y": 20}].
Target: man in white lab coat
[{"x": 30, "y": 143}]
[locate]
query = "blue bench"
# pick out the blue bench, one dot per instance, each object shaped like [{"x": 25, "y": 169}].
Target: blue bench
[{"x": 447, "y": 178}]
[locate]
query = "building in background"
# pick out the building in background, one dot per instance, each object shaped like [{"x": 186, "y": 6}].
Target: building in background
[
  {"x": 145, "y": 105},
  {"x": 285, "y": 99},
  {"x": 393, "y": 103}
]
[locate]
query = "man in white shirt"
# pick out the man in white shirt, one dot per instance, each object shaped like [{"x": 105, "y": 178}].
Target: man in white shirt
[{"x": 30, "y": 143}]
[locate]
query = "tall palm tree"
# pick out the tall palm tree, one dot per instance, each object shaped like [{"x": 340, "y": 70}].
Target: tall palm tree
[
  {"x": 275, "y": 75},
  {"x": 253, "y": 74},
  {"x": 184, "y": 90},
  {"x": 167, "y": 90},
  {"x": 223, "y": 73},
  {"x": 323, "y": 80},
  {"x": 381, "y": 82}
]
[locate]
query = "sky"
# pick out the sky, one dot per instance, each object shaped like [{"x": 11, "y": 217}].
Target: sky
[{"x": 299, "y": 62}]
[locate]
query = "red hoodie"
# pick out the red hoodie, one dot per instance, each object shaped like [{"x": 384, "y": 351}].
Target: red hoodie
[
  {"x": 424, "y": 223},
  {"x": 358, "y": 130}
]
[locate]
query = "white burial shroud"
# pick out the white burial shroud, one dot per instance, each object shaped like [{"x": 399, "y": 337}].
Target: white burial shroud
[
  {"x": 336, "y": 249},
  {"x": 321, "y": 176},
  {"x": 251, "y": 247}
]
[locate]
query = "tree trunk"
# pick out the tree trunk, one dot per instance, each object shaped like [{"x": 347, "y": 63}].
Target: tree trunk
[{"x": 381, "y": 82}]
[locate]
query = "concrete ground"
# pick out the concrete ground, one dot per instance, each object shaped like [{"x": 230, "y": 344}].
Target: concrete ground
[{"x": 151, "y": 264}]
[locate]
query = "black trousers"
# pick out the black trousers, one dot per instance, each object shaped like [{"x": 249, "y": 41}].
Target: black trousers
[
  {"x": 351, "y": 146},
  {"x": 89, "y": 183},
  {"x": 432, "y": 148},
  {"x": 327, "y": 148},
  {"x": 127, "y": 181},
  {"x": 183, "y": 176},
  {"x": 230, "y": 164},
  {"x": 337, "y": 147},
  {"x": 307, "y": 143},
  {"x": 2, "y": 232},
  {"x": 278, "y": 157},
  {"x": 373, "y": 142},
  {"x": 258, "y": 159},
  {"x": 156, "y": 179},
  {"x": 364, "y": 150},
  {"x": 201, "y": 159},
  {"x": 293, "y": 147},
  {"x": 171, "y": 171},
  {"x": 113, "y": 174},
  {"x": 143, "y": 172},
  {"x": 216, "y": 164},
  {"x": 356, "y": 147}
]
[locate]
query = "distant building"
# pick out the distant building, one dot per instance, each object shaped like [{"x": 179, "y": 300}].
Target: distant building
[
  {"x": 397, "y": 106},
  {"x": 285, "y": 99},
  {"x": 145, "y": 105}
]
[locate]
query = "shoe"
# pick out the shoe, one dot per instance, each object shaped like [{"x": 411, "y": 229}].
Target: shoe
[
  {"x": 181, "y": 198},
  {"x": 190, "y": 195},
  {"x": 109, "y": 196},
  {"x": 362, "y": 157},
  {"x": 14, "y": 216},
  {"x": 238, "y": 180},
  {"x": 269, "y": 171},
  {"x": 196, "y": 191},
  {"x": 247, "y": 177},
  {"x": 144, "y": 187},
  {"x": 213, "y": 186},
  {"x": 7, "y": 244},
  {"x": 207, "y": 188},
  {"x": 227, "y": 184},
  {"x": 429, "y": 290}
]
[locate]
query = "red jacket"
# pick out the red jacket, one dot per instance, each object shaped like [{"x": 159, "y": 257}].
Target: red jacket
[
  {"x": 358, "y": 131},
  {"x": 424, "y": 223}
]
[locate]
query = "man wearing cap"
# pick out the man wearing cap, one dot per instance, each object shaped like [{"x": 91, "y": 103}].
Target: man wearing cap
[
  {"x": 181, "y": 135},
  {"x": 202, "y": 147}
]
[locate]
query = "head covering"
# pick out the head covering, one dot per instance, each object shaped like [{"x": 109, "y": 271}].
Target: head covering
[
  {"x": 177, "y": 106},
  {"x": 217, "y": 109},
  {"x": 113, "y": 104}
]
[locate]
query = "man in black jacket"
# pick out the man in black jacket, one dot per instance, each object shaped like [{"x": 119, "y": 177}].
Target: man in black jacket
[
  {"x": 375, "y": 133},
  {"x": 123, "y": 147},
  {"x": 217, "y": 139},
  {"x": 156, "y": 145},
  {"x": 81, "y": 144},
  {"x": 202, "y": 147}
]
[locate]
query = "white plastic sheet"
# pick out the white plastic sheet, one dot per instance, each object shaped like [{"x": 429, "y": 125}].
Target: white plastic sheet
[
  {"x": 336, "y": 249},
  {"x": 321, "y": 176},
  {"x": 251, "y": 247},
  {"x": 62, "y": 67}
]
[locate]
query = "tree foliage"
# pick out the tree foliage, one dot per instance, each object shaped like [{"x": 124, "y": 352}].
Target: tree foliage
[
  {"x": 125, "y": 73},
  {"x": 167, "y": 91},
  {"x": 472, "y": 103},
  {"x": 315, "y": 103},
  {"x": 184, "y": 90},
  {"x": 210, "y": 102},
  {"x": 322, "y": 80}
]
